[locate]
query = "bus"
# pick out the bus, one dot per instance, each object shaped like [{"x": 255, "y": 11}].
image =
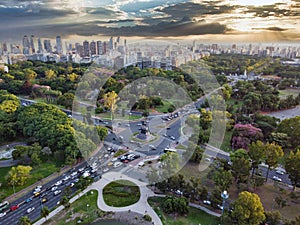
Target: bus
[
  {"x": 170, "y": 150},
  {"x": 4, "y": 205}
]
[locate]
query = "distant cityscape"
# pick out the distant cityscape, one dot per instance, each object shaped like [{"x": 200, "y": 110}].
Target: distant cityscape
[{"x": 117, "y": 53}]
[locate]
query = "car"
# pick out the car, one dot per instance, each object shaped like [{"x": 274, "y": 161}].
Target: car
[
  {"x": 54, "y": 188},
  {"x": 117, "y": 164},
  {"x": 207, "y": 202},
  {"x": 114, "y": 159},
  {"x": 37, "y": 194},
  {"x": 280, "y": 172},
  {"x": 152, "y": 147},
  {"x": 178, "y": 192},
  {"x": 2, "y": 214},
  {"x": 168, "y": 128},
  {"x": 105, "y": 169},
  {"x": 109, "y": 164},
  {"x": 14, "y": 207},
  {"x": 66, "y": 178},
  {"x": 72, "y": 184},
  {"x": 81, "y": 170},
  {"x": 30, "y": 210},
  {"x": 136, "y": 156},
  {"x": 74, "y": 174},
  {"x": 38, "y": 187},
  {"x": 28, "y": 200},
  {"x": 276, "y": 178},
  {"x": 76, "y": 180},
  {"x": 165, "y": 135},
  {"x": 86, "y": 174},
  {"x": 44, "y": 200},
  {"x": 58, "y": 183},
  {"x": 172, "y": 137},
  {"x": 57, "y": 192}
]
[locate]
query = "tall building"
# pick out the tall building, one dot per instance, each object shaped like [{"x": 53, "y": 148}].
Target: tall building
[
  {"x": 26, "y": 45},
  {"x": 40, "y": 46},
  {"x": 32, "y": 43},
  {"x": 99, "y": 48},
  {"x": 86, "y": 48},
  {"x": 104, "y": 47},
  {"x": 4, "y": 47},
  {"x": 93, "y": 49},
  {"x": 111, "y": 43},
  {"x": 47, "y": 46},
  {"x": 59, "y": 49}
]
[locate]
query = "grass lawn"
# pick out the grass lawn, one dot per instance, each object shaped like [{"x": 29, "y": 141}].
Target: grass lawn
[
  {"x": 164, "y": 107},
  {"x": 194, "y": 217},
  {"x": 85, "y": 209},
  {"x": 121, "y": 193},
  {"x": 36, "y": 174},
  {"x": 226, "y": 146},
  {"x": 284, "y": 93}
]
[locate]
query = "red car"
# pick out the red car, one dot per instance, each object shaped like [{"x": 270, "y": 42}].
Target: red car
[{"x": 14, "y": 207}]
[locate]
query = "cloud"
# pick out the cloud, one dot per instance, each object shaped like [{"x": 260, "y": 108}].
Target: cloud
[{"x": 273, "y": 10}]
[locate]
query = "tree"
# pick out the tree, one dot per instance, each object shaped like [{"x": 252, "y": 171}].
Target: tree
[
  {"x": 65, "y": 201},
  {"x": 50, "y": 74},
  {"x": 18, "y": 175},
  {"x": 273, "y": 153},
  {"x": 244, "y": 134},
  {"x": 273, "y": 218},
  {"x": 240, "y": 165},
  {"x": 256, "y": 153},
  {"x": 291, "y": 127},
  {"x": 223, "y": 179},
  {"x": 24, "y": 220},
  {"x": 246, "y": 210},
  {"x": 29, "y": 74},
  {"x": 175, "y": 205},
  {"x": 110, "y": 100},
  {"x": 169, "y": 163},
  {"x": 83, "y": 183},
  {"x": 45, "y": 212},
  {"x": 102, "y": 132},
  {"x": 292, "y": 167},
  {"x": 35, "y": 159},
  {"x": 66, "y": 100}
]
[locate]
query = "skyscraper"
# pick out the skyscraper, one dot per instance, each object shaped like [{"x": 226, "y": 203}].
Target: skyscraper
[
  {"x": 26, "y": 45},
  {"x": 47, "y": 46},
  {"x": 111, "y": 43},
  {"x": 93, "y": 48},
  {"x": 99, "y": 48},
  {"x": 86, "y": 48},
  {"x": 32, "y": 43},
  {"x": 40, "y": 46},
  {"x": 59, "y": 45}
]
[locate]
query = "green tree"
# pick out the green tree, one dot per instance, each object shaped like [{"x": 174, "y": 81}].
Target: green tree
[
  {"x": 29, "y": 74},
  {"x": 273, "y": 153},
  {"x": 18, "y": 175},
  {"x": 256, "y": 153},
  {"x": 175, "y": 205},
  {"x": 291, "y": 127},
  {"x": 65, "y": 201},
  {"x": 292, "y": 167},
  {"x": 45, "y": 212},
  {"x": 246, "y": 210},
  {"x": 273, "y": 218},
  {"x": 24, "y": 220},
  {"x": 169, "y": 164},
  {"x": 35, "y": 159},
  {"x": 66, "y": 100},
  {"x": 240, "y": 165},
  {"x": 102, "y": 132},
  {"x": 223, "y": 179},
  {"x": 110, "y": 101}
]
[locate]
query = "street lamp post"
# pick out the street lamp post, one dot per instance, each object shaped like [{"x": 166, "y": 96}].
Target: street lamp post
[{"x": 224, "y": 196}]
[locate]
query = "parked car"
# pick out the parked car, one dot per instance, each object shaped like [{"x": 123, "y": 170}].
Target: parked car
[
  {"x": 280, "y": 172},
  {"x": 207, "y": 202},
  {"x": 2, "y": 214},
  {"x": 277, "y": 178},
  {"x": 117, "y": 164}
]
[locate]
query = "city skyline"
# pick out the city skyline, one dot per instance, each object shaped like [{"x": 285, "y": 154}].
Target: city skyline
[{"x": 217, "y": 21}]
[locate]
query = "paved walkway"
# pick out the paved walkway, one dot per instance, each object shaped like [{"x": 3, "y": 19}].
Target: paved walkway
[{"x": 141, "y": 206}]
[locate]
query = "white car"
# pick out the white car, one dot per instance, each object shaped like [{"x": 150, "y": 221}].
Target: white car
[
  {"x": 30, "y": 210},
  {"x": 105, "y": 170},
  {"x": 57, "y": 192},
  {"x": 66, "y": 178},
  {"x": 54, "y": 188},
  {"x": 58, "y": 183},
  {"x": 74, "y": 174},
  {"x": 276, "y": 178},
  {"x": 207, "y": 202},
  {"x": 117, "y": 164},
  {"x": 172, "y": 137},
  {"x": 2, "y": 214},
  {"x": 279, "y": 172},
  {"x": 86, "y": 174},
  {"x": 114, "y": 159}
]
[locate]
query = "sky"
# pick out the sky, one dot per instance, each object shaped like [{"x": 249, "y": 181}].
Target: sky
[{"x": 219, "y": 20}]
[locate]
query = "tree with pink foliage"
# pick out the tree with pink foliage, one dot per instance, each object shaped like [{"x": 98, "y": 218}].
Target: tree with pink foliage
[{"x": 244, "y": 134}]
